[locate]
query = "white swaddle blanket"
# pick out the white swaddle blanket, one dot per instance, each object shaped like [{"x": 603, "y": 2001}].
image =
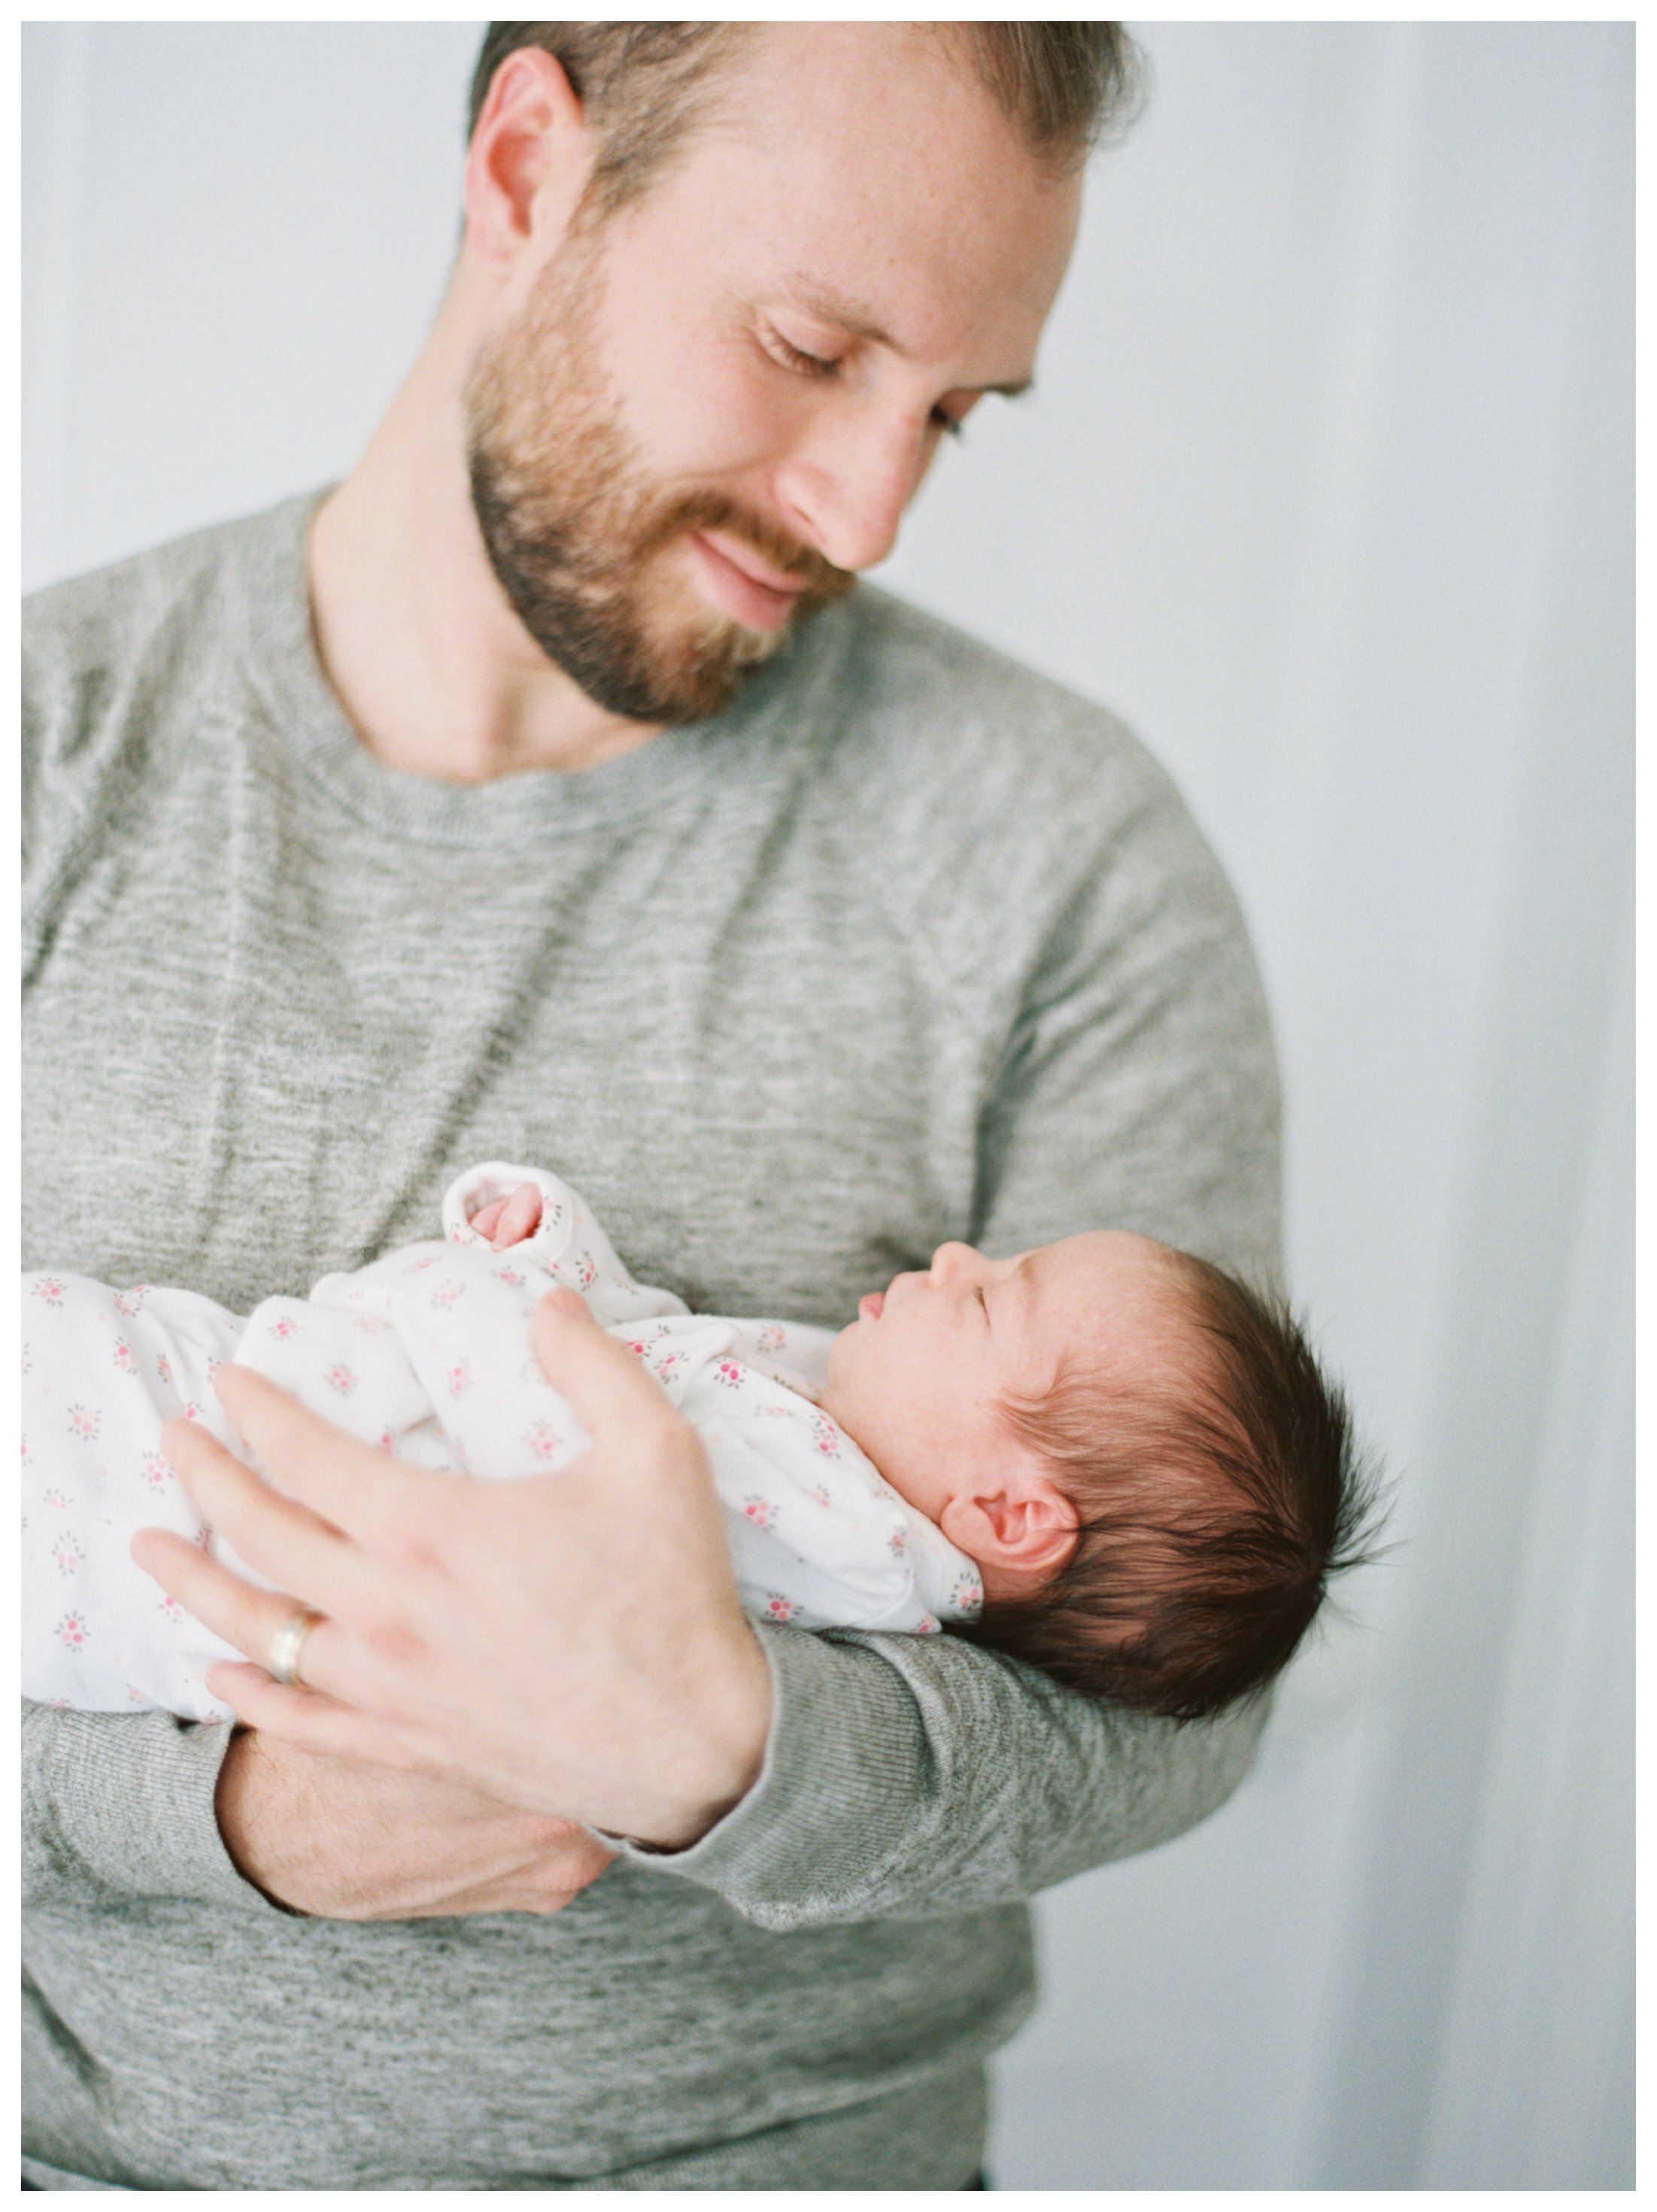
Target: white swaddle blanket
[{"x": 428, "y": 1354}]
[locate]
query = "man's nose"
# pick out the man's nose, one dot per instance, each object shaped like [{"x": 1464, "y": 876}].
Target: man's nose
[{"x": 847, "y": 495}]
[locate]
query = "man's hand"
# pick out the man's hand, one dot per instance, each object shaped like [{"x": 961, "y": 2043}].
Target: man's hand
[
  {"x": 343, "y": 1841},
  {"x": 571, "y": 1645}
]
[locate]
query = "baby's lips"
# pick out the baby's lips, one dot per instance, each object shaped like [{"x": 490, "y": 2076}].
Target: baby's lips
[{"x": 870, "y": 1304}]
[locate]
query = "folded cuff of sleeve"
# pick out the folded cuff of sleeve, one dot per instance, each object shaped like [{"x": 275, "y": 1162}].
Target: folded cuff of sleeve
[
  {"x": 838, "y": 1797},
  {"x": 906, "y": 1775},
  {"x": 125, "y": 1801}
]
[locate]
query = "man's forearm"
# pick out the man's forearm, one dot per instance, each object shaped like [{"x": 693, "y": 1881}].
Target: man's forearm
[{"x": 334, "y": 1839}]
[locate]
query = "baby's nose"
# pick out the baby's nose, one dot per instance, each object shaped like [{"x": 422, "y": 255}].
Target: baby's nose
[{"x": 949, "y": 1259}]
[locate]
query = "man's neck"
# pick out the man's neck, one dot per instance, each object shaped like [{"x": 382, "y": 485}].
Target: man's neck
[{"x": 435, "y": 672}]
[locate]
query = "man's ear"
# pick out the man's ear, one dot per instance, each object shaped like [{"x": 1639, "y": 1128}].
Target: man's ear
[
  {"x": 1019, "y": 1527},
  {"x": 529, "y": 161}
]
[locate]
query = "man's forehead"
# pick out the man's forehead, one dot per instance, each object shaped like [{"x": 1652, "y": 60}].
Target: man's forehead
[
  {"x": 871, "y": 91},
  {"x": 814, "y": 54}
]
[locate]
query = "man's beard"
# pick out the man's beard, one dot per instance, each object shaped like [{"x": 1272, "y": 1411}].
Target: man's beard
[{"x": 576, "y": 535}]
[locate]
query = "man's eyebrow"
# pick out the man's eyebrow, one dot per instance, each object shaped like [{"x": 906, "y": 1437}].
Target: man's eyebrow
[{"x": 858, "y": 320}]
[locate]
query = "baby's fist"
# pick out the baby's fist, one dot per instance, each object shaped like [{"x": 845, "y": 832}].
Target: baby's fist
[{"x": 509, "y": 1220}]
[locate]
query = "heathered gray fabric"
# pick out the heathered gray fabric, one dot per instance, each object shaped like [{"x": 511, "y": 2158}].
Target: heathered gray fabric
[{"x": 910, "y": 946}]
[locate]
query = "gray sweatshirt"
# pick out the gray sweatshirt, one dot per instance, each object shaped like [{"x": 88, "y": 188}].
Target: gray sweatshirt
[{"x": 909, "y": 946}]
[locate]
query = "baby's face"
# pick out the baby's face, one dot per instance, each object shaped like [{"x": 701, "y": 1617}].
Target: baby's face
[{"x": 919, "y": 1378}]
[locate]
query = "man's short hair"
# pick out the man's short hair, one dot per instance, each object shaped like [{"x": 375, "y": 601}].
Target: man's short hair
[{"x": 1065, "y": 87}]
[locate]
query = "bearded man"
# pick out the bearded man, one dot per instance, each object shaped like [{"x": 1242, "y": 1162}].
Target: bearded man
[{"x": 546, "y": 791}]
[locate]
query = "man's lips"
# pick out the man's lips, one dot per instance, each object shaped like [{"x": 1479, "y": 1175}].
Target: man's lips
[
  {"x": 757, "y": 597},
  {"x": 870, "y": 1303}
]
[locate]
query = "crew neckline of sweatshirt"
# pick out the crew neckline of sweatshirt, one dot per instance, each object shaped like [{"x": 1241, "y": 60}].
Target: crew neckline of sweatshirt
[{"x": 280, "y": 655}]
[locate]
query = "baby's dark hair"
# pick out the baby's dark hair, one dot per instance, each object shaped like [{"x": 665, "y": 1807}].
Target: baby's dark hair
[{"x": 1214, "y": 1511}]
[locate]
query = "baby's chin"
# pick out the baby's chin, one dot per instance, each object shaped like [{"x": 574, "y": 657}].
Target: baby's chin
[
  {"x": 841, "y": 1350},
  {"x": 837, "y": 1397}
]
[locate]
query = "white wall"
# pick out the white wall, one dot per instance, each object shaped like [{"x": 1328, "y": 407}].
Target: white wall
[{"x": 1326, "y": 487}]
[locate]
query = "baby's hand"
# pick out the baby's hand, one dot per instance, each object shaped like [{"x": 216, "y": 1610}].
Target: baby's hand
[{"x": 510, "y": 1220}]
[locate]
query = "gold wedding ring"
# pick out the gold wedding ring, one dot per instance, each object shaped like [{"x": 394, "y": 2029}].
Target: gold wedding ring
[{"x": 287, "y": 1644}]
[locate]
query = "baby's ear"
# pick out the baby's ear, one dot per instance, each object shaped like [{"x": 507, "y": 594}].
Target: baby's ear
[{"x": 1021, "y": 1522}]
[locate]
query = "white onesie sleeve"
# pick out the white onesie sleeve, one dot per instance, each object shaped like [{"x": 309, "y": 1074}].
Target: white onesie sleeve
[{"x": 568, "y": 1243}]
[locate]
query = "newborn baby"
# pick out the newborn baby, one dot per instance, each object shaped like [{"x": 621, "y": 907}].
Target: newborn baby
[{"x": 1101, "y": 1456}]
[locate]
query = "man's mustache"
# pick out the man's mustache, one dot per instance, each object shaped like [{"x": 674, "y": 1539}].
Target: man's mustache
[{"x": 786, "y": 555}]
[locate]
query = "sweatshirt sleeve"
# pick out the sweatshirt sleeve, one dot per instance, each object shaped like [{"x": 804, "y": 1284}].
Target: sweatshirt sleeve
[
  {"x": 120, "y": 1805},
  {"x": 909, "y": 1777},
  {"x": 1138, "y": 1083}
]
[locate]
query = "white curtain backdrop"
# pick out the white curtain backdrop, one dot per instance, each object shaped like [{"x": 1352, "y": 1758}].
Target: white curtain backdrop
[{"x": 1326, "y": 487}]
